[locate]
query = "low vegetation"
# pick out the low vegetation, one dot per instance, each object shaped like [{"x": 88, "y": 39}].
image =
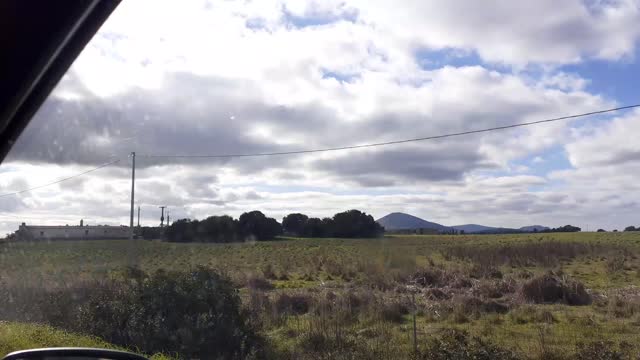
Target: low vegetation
[
  {"x": 525, "y": 296},
  {"x": 194, "y": 314}
]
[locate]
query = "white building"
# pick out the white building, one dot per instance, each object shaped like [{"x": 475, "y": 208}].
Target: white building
[{"x": 41, "y": 232}]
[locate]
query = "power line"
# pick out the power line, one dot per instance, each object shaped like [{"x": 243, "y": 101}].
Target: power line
[
  {"x": 335, "y": 148},
  {"x": 396, "y": 141},
  {"x": 61, "y": 180}
]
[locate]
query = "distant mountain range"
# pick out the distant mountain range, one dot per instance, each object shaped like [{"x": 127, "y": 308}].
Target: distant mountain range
[{"x": 401, "y": 221}]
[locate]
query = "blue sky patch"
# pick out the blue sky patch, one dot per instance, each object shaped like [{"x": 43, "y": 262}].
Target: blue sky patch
[
  {"x": 432, "y": 59},
  {"x": 552, "y": 160},
  {"x": 616, "y": 80},
  {"x": 318, "y": 19},
  {"x": 255, "y": 23},
  {"x": 341, "y": 77}
]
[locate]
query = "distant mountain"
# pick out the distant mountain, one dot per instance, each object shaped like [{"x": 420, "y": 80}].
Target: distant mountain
[
  {"x": 533, "y": 228},
  {"x": 474, "y": 228},
  {"x": 402, "y": 221},
  {"x": 481, "y": 229},
  {"x": 500, "y": 230}
]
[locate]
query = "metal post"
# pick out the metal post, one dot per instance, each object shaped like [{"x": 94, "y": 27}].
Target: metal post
[
  {"x": 133, "y": 185},
  {"x": 415, "y": 330},
  {"x": 162, "y": 215}
]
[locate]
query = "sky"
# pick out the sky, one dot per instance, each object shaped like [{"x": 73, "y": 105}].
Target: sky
[{"x": 220, "y": 77}]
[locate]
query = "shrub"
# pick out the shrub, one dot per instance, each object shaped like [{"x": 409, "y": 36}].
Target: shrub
[
  {"x": 436, "y": 294},
  {"x": 554, "y": 288},
  {"x": 479, "y": 271},
  {"x": 259, "y": 283},
  {"x": 429, "y": 277},
  {"x": 458, "y": 345},
  {"x": 357, "y": 300},
  {"x": 293, "y": 304},
  {"x": 394, "y": 311},
  {"x": 495, "y": 289},
  {"x": 438, "y": 277},
  {"x": 194, "y": 314}
]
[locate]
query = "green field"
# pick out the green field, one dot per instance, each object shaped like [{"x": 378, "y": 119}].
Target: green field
[{"x": 308, "y": 296}]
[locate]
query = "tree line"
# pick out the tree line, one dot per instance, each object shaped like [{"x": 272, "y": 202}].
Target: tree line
[
  {"x": 566, "y": 228},
  {"x": 348, "y": 224},
  {"x": 254, "y": 225}
]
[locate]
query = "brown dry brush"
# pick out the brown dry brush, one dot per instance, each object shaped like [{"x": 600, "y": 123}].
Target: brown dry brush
[
  {"x": 554, "y": 287},
  {"x": 621, "y": 303}
]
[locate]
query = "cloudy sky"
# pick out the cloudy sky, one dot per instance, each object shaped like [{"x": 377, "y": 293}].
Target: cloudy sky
[{"x": 220, "y": 77}]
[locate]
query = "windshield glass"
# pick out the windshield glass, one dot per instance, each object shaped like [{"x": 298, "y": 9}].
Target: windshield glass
[{"x": 333, "y": 179}]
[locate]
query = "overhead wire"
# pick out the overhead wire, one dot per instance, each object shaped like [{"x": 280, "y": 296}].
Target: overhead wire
[
  {"x": 61, "y": 180},
  {"x": 307, "y": 151}
]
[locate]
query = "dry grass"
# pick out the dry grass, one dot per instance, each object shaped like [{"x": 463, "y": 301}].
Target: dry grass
[
  {"x": 334, "y": 298},
  {"x": 554, "y": 288}
]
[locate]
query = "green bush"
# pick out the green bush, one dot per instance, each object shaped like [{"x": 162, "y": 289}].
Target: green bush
[{"x": 193, "y": 314}]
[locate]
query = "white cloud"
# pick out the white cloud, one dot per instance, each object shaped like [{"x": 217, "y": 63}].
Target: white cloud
[
  {"x": 614, "y": 144},
  {"x": 514, "y": 32}
]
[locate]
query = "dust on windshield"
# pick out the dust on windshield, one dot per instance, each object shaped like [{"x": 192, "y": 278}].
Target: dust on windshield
[{"x": 338, "y": 179}]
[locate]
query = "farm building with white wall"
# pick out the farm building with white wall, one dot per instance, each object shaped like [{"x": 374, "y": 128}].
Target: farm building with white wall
[{"x": 95, "y": 232}]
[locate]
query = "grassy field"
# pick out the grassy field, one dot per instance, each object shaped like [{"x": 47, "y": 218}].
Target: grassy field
[
  {"x": 360, "y": 296},
  {"x": 18, "y": 336}
]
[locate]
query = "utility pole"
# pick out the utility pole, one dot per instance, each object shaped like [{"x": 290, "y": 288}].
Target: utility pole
[
  {"x": 162, "y": 215},
  {"x": 133, "y": 186},
  {"x": 138, "y": 215},
  {"x": 168, "y": 219}
]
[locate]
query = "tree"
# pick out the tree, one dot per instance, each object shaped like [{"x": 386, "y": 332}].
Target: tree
[
  {"x": 355, "y": 223},
  {"x": 294, "y": 224},
  {"x": 182, "y": 230},
  {"x": 328, "y": 227},
  {"x": 570, "y": 228},
  {"x": 150, "y": 232},
  {"x": 630, "y": 228},
  {"x": 602, "y": 230},
  {"x": 255, "y": 225},
  {"x": 566, "y": 228},
  {"x": 314, "y": 227},
  {"x": 218, "y": 229}
]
